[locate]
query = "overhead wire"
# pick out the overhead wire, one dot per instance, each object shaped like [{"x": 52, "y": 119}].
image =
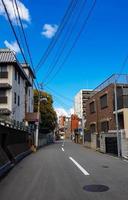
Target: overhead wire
[
  {"x": 75, "y": 41},
  {"x": 15, "y": 34},
  {"x": 25, "y": 38},
  {"x": 60, "y": 95},
  {"x": 67, "y": 37},
  {"x": 57, "y": 35},
  {"x": 17, "y": 22},
  {"x": 60, "y": 100}
]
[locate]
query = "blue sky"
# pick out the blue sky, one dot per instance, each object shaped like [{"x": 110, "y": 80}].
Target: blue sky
[{"x": 99, "y": 52}]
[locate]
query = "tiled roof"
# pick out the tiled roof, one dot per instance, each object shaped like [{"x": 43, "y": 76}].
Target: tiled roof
[{"x": 7, "y": 56}]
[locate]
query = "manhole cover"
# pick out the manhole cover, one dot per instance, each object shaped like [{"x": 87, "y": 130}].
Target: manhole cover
[
  {"x": 105, "y": 166},
  {"x": 96, "y": 188}
]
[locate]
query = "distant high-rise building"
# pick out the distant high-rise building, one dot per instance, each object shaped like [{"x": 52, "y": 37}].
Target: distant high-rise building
[{"x": 80, "y": 102}]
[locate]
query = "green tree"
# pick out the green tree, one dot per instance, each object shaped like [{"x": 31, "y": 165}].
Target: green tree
[{"x": 47, "y": 113}]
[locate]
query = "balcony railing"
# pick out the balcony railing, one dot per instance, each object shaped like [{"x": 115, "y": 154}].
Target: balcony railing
[
  {"x": 3, "y": 100},
  {"x": 3, "y": 74}
]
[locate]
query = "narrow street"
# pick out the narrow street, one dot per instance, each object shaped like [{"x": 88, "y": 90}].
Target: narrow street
[{"x": 62, "y": 171}]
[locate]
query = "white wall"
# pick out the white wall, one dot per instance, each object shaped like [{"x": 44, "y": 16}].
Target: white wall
[{"x": 18, "y": 111}]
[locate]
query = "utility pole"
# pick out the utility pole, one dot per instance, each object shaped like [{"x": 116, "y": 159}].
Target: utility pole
[
  {"x": 117, "y": 122},
  {"x": 37, "y": 125},
  {"x": 83, "y": 127},
  {"x": 40, "y": 98}
]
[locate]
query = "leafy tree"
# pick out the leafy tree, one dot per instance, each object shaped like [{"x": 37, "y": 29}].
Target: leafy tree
[{"x": 47, "y": 114}]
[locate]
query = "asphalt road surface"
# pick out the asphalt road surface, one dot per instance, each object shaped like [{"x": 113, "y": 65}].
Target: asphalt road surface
[{"x": 66, "y": 172}]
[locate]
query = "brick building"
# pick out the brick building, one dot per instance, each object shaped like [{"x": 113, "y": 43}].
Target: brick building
[
  {"x": 74, "y": 122},
  {"x": 100, "y": 111}
]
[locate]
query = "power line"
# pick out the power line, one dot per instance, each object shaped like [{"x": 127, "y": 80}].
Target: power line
[
  {"x": 17, "y": 22},
  {"x": 60, "y": 95},
  {"x": 26, "y": 42},
  {"x": 76, "y": 40},
  {"x": 14, "y": 32},
  {"x": 57, "y": 35},
  {"x": 67, "y": 38},
  {"x": 61, "y": 102},
  {"x": 10, "y": 22}
]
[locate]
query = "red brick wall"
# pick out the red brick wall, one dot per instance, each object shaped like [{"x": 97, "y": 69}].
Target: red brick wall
[
  {"x": 74, "y": 122},
  {"x": 101, "y": 114}
]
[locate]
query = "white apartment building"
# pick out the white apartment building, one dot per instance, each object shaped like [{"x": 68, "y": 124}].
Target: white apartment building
[
  {"x": 80, "y": 102},
  {"x": 16, "y": 87}
]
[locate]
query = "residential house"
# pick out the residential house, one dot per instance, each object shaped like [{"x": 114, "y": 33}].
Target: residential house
[
  {"x": 101, "y": 115},
  {"x": 16, "y": 87}
]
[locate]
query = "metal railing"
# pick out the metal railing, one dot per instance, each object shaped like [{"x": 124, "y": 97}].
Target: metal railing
[
  {"x": 8, "y": 122},
  {"x": 114, "y": 79}
]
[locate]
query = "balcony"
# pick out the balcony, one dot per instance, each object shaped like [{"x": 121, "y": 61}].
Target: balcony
[
  {"x": 3, "y": 74},
  {"x": 5, "y": 86},
  {"x": 32, "y": 117},
  {"x": 3, "y": 100}
]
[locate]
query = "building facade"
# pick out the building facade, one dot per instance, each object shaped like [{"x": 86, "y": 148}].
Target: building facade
[
  {"x": 101, "y": 117},
  {"x": 80, "y": 102},
  {"x": 16, "y": 87}
]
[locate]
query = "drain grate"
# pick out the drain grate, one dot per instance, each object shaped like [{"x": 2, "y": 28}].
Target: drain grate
[
  {"x": 105, "y": 166},
  {"x": 96, "y": 188}
]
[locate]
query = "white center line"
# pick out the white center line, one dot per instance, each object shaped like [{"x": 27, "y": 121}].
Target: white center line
[
  {"x": 79, "y": 166},
  {"x": 62, "y": 149}
]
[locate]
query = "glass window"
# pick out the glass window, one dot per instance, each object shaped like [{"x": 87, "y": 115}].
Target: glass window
[
  {"x": 105, "y": 126},
  {"x": 92, "y": 107},
  {"x": 103, "y": 101},
  {"x": 2, "y": 93},
  {"x": 15, "y": 74},
  {"x": 3, "y": 68},
  {"x": 93, "y": 128},
  {"x": 14, "y": 97},
  {"x": 18, "y": 100},
  {"x": 18, "y": 78}
]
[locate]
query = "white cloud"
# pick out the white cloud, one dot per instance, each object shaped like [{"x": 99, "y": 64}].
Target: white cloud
[
  {"x": 23, "y": 11},
  {"x": 49, "y": 30},
  {"x": 71, "y": 111},
  {"x": 13, "y": 46},
  {"x": 63, "y": 112}
]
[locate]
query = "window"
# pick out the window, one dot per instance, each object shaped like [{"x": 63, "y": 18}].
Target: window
[
  {"x": 18, "y": 100},
  {"x": 3, "y": 72},
  {"x": 105, "y": 126},
  {"x": 103, "y": 101},
  {"x": 18, "y": 78},
  {"x": 92, "y": 107},
  {"x": 2, "y": 93},
  {"x": 3, "y": 68},
  {"x": 15, "y": 74},
  {"x": 3, "y": 97},
  {"x": 14, "y": 97},
  {"x": 93, "y": 128}
]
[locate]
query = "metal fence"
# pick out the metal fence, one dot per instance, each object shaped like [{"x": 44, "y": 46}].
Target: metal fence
[
  {"x": 114, "y": 79},
  {"x": 8, "y": 122}
]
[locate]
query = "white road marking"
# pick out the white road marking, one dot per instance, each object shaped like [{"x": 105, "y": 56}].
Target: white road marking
[
  {"x": 79, "y": 166},
  {"x": 62, "y": 149},
  {"x": 63, "y": 144}
]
